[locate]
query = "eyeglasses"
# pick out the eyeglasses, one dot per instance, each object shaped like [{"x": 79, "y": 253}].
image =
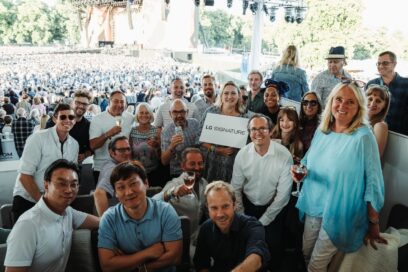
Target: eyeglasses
[
  {"x": 78, "y": 103},
  {"x": 63, "y": 117},
  {"x": 384, "y": 63},
  {"x": 358, "y": 83},
  {"x": 123, "y": 150},
  {"x": 312, "y": 103},
  {"x": 181, "y": 112},
  {"x": 261, "y": 130}
]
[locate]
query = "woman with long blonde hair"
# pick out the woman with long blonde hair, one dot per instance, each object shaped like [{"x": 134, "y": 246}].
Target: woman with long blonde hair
[{"x": 289, "y": 72}]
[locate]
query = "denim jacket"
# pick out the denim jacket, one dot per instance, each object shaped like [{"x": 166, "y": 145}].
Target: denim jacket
[{"x": 295, "y": 78}]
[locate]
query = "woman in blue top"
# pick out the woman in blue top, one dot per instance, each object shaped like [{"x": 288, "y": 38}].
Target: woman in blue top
[
  {"x": 343, "y": 191},
  {"x": 289, "y": 72}
]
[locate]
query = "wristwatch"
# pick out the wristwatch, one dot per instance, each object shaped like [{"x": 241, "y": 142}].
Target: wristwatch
[{"x": 170, "y": 194}]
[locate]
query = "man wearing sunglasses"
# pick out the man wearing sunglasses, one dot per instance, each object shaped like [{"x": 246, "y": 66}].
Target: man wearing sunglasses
[
  {"x": 80, "y": 131},
  {"x": 325, "y": 81},
  {"x": 119, "y": 151},
  {"x": 397, "y": 117},
  {"x": 41, "y": 149}
]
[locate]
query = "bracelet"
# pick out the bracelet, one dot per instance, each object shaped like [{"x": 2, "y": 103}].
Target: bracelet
[{"x": 374, "y": 221}]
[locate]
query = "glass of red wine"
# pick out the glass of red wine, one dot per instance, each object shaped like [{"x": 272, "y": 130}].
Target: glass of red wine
[{"x": 300, "y": 173}]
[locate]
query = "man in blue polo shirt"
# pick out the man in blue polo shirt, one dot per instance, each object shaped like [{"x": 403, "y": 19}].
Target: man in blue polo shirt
[{"x": 139, "y": 232}]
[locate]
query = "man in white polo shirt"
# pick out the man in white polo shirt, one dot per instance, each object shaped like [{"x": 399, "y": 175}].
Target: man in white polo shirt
[{"x": 41, "y": 238}]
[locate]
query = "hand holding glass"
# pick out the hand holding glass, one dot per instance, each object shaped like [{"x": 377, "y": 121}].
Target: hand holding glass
[
  {"x": 299, "y": 171},
  {"x": 189, "y": 180}
]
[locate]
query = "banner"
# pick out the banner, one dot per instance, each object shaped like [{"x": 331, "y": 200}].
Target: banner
[{"x": 225, "y": 130}]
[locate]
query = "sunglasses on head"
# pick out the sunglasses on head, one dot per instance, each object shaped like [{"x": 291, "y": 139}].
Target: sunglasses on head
[
  {"x": 64, "y": 117},
  {"x": 288, "y": 108},
  {"x": 358, "y": 83},
  {"x": 312, "y": 103}
]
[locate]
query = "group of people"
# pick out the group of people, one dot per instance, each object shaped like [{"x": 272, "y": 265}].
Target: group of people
[{"x": 241, "y": 198}]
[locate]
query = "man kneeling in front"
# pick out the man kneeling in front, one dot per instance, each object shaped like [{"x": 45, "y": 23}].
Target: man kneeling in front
[
  {"x": 41, "y": 238},
  {"x": 139, "y": 233}
]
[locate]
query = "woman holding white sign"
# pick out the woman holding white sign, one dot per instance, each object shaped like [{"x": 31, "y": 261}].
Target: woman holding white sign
[{"x": 220, "y": 159}]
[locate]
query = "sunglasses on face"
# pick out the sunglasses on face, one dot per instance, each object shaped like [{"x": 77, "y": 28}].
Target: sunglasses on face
[
  {"x": 384, "y": 63},
  {"x": 312, "y": 103},
  {"x": 64, "y": 117}
]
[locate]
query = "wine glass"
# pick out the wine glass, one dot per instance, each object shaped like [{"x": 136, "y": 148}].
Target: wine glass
[
  {"x": 189, "y": 180},
  {"x": 118, "y": 120},
  {"x": 300, "y": 172}
]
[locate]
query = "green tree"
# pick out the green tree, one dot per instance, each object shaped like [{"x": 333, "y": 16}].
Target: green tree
[
  {"x": 217, "y": 28},
  {"x": 7, "y": 18}
]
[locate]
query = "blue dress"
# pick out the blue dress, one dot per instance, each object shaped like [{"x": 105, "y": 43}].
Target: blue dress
[{"x": 344, "y": 173}]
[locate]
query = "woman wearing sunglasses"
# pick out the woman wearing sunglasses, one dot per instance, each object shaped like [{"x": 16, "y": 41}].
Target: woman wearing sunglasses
[
  {"x": 343, "y": 190},
  {"x": 309, "y": 117},
  {"x": 378, "y": 102}
]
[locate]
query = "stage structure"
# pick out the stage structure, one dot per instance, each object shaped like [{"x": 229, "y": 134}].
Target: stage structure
[{"x": 148, "y": 24}]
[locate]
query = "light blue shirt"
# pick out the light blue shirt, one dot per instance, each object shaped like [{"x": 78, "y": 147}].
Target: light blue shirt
[
  {"x": 159, "y": 224},
  {"x": 344, "y": 173}
]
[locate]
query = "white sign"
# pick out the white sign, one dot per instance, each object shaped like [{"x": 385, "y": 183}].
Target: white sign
[{"x": 225, "y": 130}]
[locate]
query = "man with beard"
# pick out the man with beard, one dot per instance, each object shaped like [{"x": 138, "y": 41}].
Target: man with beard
[
  {"x": 186, "y": 201},
  {"x": 80, "y": 131},
  {"x": 181, "y": 133},
  {"x": 177, "y": 90},
  {"x": 41, "y": 149},
  {"x": 255, "y": 98},
  {"x": 209, "y": 97},
  {"x": 41, "y": 238}
]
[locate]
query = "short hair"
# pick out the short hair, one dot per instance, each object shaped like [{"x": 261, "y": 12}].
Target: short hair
[
  {"x": 392, "y": 55},
  {"x": 83, "y": 93},
  {"x": 256, "y": 72},
  {"x": 358, "y": 120},
  {"x": 58, "y": 164},
  {"x": 8, "y": 119},
  {"x": 385, "y": 95},
  {"x": 21, "y": 112},
  {"x": 6, "y": 100},
  {"x": 189, "y": 150},
  {"x": 260, "y": 115},
  {"x": 112, "y": 144},
  {"x": 61, "y": 107},
  {"x": 218, "y": 186},
  {"x": 178, "y": 101},
  {"x": 207, "y": 76},
  {"x": 148, "y": 108},
  {"x": 126, "y": 169},
  {"x": 176, "y": 79},
  {"x": 117, "y": 92}
]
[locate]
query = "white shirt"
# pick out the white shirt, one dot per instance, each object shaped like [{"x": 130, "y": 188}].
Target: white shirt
[
  {"x": 263, "y": 179},
  {"x": 163, "y": 117},
  {"x": 41, "y": 149},
  {"x": 41, "y": 239},
  {"x": 100, "y": 124}
]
